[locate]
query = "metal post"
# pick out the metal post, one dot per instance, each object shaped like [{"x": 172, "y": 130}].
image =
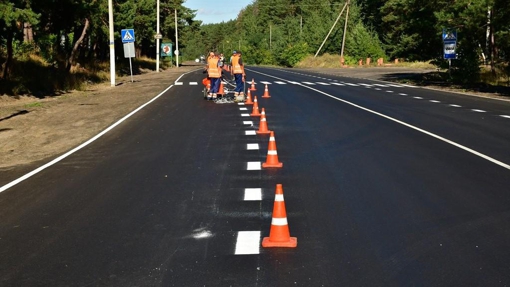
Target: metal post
[
  {"x": 345, "y": 29},
  {"x": 176, "y": 41},
  {"x": 112, "y": 44},
  {"x": 270, "y": 37},
  {"x": 157, "y": 39}
]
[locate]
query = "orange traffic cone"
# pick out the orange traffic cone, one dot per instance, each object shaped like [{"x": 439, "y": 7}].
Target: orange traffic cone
[
  {"x": 255, "y": 112},
  {"x": 272, "y": 155},
  {"x": 266, "y": 93},
  {"x": 221, "y": 91},
  {"x": 252, "y": 88},
  {"x": 263, "y": 124},
  {"x": 279, "y": 235},
  {"x": 248, "y": 99}
]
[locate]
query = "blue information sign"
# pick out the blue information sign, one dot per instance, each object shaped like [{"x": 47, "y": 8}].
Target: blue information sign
[
  {"x": 127, "y": 35},
  {"x": 450, "y": 44}
]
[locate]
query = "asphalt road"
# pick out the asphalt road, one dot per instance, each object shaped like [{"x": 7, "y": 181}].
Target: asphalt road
[{"x": 383, "y": 185}]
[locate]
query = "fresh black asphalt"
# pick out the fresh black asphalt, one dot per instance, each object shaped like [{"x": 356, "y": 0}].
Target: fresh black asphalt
[{"x": 158, "y": 201}]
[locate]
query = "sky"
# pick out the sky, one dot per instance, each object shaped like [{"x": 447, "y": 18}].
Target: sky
[{"x": 216, "y": 11}]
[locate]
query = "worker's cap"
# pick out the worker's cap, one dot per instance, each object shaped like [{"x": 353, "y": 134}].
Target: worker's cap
[{"x": 234, "y": 52}]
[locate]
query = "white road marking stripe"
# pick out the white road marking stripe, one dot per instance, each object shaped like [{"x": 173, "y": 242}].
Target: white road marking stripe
[
  {"x": 418, "y": 98},
  {"x": 472, "y": 151},
  {"x": 434, "y": 101},
  {"x": 240, "y": 104},
  {"x": 408, "y": 86},
  {"x": 395, "y": 86},
  {"x": 379, "y": 85},
  {"x": 250, "y": 133},
  {"x": 389, "y": 91},
  {"x": 377, "y": 89},
  {"x": 478, "y": 111},
  {"x": 245, "y": 115},
  {"x": 265, "y": 83},
  {"x": 280, "y": 83},
  {"x": 254, "y": 165},
  {"x": 248, "y": 242},
  {"x": 279, "y": 221},
  {"x": 455, "y": 106},
  {"x": 308, "y": 83},
  {"x": 363, "y": 84},
  {"x": 294, "y": 83},
  {"x": 193, "y": 83},
  {"x": 249, "y": 123},
  {"x": 243, "y": 109},
  {"x": 402, "y": 94},
  {"x": 324, "y": 84},
  {"x": 351, "y": 84},
  {"x": 505, "y": 116},
  {"x": 93, "y": 139},
  {"x": 338, "y": 84},
  {"x": 252, "y": 194},
  {"x": 252, "y": 146},
  {"x": 179, "y": 83}
]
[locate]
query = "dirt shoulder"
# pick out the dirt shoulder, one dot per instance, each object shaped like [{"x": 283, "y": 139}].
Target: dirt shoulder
[{"x": 33, "y": 129}]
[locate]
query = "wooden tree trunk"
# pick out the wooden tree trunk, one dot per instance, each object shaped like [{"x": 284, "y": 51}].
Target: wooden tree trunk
[
  {"x": 10, "y": 51},
  {"x": 77, "y": 45}
]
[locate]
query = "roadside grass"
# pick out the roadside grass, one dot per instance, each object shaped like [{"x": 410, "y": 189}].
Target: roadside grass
[
  {"x": 34, "y": 105},
  {"x": 333, "y": 61},
  {"x": 33, "y": 75}
]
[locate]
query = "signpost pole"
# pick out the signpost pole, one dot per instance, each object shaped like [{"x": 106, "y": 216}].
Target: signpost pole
[
  {"x": 112, "y": 44},
  {"x": 130, "y": 65},
  {"x": 157, "y": 40}
]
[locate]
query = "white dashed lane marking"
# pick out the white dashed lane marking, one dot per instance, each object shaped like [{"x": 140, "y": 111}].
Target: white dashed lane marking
[
  {"x": 245, "y": 115},
  {"x": 248, "y": 242},
  {"x": 193, "y": 83},
  {"x": 377, "y": 89},
  {"x": 240, "y": 104},
  {"x": 324, "y": 84},
  {"x": 478, "y": 111},
  {"x": 248, "y": 123},
  {"x": 338, "y": 84},
  {"x": 243, "y": 109},
  {"x": 252, "y": 146},
  {"x": 250, "y": 133},
  {"x": 254, "y": 165},
  {"x": 505, "y": 116},
  {"x": 308, "y": 83},
  {"x": 179, "y": 83},
  {"x": 434, "y": 101},
  {"x": 418, "y": 98},
  {"x": 280, "y": 83},
  {"x": 389, "y": 91},
  {"x": 402, "y": 94},
  {"x": 252, "y": 194},
  {"x": 455, "y": 106},
  {"x": 351, "y": 84},
  {"x": 265, "y": 83}
]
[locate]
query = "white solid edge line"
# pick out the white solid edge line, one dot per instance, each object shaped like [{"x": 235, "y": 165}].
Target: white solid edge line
[
  {"x": 486, "y": 157},
  {"x": 45, "y": 166}
]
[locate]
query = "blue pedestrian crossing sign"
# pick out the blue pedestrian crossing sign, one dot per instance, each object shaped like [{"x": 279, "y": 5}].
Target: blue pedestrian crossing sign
[{"x": 127, "y": 35}]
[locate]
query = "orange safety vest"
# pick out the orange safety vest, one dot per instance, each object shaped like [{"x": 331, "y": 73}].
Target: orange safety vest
[
  {"x": 213, "y": 70},
  {"x": 237, "y": 68}
]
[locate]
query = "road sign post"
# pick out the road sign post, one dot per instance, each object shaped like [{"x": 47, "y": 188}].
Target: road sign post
[
  {"x": 128, "y": 38},
  {"x": 449, "y": 46}
]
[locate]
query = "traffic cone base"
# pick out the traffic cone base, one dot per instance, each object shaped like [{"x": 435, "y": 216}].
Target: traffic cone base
[
  {"x": 265, "y": 164},
  {"x": 292, "y": 242}
]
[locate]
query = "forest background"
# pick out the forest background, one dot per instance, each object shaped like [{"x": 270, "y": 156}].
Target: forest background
[{"x": 50, "y": 46}]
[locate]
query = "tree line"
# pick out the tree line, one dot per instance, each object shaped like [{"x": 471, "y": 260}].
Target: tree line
[
  {"x": 67, "y": 33},
  {"x": 282, "y": 32}
]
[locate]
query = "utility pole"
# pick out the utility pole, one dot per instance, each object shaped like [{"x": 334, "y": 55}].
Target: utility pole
[
  {"x": 345, "y": 29},
  {"x": 112, "y": 44},
  {"x": 176, "y": 41},
  {"x": 270, "y": 37},
  {"x": 301, "y": 27},
  {"x": 157, "y": 38},
  {"x": 331, "y": 30}
]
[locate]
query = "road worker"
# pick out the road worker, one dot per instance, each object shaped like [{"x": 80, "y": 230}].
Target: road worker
[
  {"x": 239, "y": 76},
  {"x": 214, "y": 73}
]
